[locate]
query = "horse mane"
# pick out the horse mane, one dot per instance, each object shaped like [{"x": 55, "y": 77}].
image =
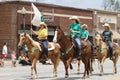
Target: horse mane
[{"x": 33, "y": 42}]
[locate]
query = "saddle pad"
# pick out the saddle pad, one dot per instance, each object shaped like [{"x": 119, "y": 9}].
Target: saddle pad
[{"x": 50, "y": 46}]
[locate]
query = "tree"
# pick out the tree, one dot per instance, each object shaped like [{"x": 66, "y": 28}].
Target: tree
[{"x": 113, "y": 5}]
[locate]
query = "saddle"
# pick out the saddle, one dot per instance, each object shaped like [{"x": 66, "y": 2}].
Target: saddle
[
  {"x": 83, "y": 44},
  {"x": 50, "y": 46}
]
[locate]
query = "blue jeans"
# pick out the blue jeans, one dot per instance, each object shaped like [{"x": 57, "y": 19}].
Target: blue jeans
[
  {"x": 110, "y": 45},
  {"x": 90, "y": 43},
  {"x": 77, "y": 42},
  {"x": 45, "y": 47}
]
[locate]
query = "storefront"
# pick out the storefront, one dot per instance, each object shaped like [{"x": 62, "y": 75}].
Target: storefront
[{"x": 101, "y": 17}]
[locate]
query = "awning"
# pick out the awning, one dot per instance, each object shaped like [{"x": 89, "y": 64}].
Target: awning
[{"x": 116, "y": 35}]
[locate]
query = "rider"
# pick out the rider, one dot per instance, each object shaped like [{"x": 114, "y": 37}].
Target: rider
[
  {"x": 85, "y": 33},
  {"x": 42, "y": 34},
  {"x": 75, "y": 29},
  {"x": 107, "y": 36}
]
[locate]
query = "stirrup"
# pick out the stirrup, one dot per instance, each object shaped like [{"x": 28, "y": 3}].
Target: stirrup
[{"x": 79, "y": 57}]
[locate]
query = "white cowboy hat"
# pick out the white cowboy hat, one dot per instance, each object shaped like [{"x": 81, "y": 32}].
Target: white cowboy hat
[
  {"x": 74, "y": 18},
  {"x": 43, "y": 23},
  {"x": 85, "y": 25},
  {"x": 106, "y": 25}
]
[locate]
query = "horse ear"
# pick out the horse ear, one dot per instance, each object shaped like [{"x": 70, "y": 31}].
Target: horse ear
[
  {"x": 58, "y": 27},
  {"x": 24, "y": 34}
]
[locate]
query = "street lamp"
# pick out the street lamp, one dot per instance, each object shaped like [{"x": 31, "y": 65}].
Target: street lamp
[{"x": 23, "y": 11}]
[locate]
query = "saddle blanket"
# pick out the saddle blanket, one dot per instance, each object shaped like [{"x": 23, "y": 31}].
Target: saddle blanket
[{"x": 51, "y": 46}]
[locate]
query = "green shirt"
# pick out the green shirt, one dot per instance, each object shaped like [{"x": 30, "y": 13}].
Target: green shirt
[
  {"x": 76, "y": 27},
  {"x": 84, "y": 34}
]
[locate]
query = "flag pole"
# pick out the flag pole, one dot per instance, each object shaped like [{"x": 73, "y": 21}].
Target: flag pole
[{"x": 31, "y": 22}]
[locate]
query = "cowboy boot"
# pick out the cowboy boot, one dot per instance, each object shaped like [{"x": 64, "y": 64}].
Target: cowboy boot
[{"x": 79, "y": 56}]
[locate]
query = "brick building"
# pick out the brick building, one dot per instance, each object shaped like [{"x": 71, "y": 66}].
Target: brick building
[{"x": 11, "y": 22}]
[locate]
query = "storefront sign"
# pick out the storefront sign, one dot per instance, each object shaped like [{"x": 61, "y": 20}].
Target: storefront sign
[{"x": 108, "y": 20}]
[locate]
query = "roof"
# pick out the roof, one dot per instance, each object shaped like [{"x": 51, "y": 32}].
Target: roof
[
  {"x": 105, "y": 11},
  {"x": 46, "y": 4}
]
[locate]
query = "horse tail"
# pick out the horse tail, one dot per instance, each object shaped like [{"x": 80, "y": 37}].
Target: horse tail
[{"x": 71, "y": 67}]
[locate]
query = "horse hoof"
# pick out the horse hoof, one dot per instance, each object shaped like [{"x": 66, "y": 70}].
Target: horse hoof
[
  {"x": 78, "y": 72},
  {"x": 35, "y": 76},
  {"x": 66, "y": 76},
  {"x": 54, "y": 76},
  {"x": 115, "y": 72},
  {"x": 83, "y": 77},
  {"x": 101, "y": 74}
]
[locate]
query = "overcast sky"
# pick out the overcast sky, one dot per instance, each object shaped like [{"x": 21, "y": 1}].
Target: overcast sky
[
  {"x": 77, "y": 3},
  {"x": 72, "y": 3}
]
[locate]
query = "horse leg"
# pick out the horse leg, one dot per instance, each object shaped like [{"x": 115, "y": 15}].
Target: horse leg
[
  {"x": 55, "y": 62},
  {"x": 101, "y": 65},
  {"x": 78, "y": 70},
  {"x": 85, "y": 70},
  {"x": 66, "y": 64},
  {"x": 115, "y": 62},
  {"x": 33, "y": 68}
]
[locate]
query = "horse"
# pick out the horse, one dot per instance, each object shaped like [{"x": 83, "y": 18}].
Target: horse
[
  {"x": 68, "y": 52},
  {"x": 103, "y": 53},
  {"x": 34, "y": 53}
]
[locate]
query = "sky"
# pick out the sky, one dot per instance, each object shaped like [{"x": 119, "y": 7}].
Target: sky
[
  {"x": 77, "y": 3},
  {"x": 71, "y": 3}
]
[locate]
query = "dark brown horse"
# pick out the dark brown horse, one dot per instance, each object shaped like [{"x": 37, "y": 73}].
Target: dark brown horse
[
  {"x": 67, "y": 52},
  {"x": 34, "y": 53}
]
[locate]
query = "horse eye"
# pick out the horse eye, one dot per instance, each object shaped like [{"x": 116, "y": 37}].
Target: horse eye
[{"x": 23, "y": 39}]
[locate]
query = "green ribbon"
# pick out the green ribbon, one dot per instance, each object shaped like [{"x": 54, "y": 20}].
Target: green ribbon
[
  {"x": 99, "y": 51},
  {"x": 33, "y": 51},
  {"x": 66, "y": 52}
]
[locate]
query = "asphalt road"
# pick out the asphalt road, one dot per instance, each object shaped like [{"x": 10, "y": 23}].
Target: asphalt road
[{"x": 45, "y": 71}]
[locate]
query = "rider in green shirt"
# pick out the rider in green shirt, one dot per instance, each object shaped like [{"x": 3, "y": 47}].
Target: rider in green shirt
[
  {"x": 85, "y": 34},
  {"x": 75, "y": 29}
]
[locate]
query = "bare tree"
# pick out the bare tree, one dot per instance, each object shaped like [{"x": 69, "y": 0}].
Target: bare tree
[{"x": 113, "y": 5}]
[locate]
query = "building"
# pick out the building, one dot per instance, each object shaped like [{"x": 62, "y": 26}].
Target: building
[
  {"x": 11, "y": 22},
  {"x": 101, "y": 16}
]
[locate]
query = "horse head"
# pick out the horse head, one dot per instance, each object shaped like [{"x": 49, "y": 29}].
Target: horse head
[
  {"x": 23, "y": 39},
  {"x": 59, "y": 34},
  {"x": 97, "y": 40}
]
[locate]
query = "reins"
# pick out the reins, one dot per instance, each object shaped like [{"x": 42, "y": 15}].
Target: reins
[{"x": 68, "y": 50}]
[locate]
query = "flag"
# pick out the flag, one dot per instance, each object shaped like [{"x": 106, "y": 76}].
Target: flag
[{"x": 38, "y": 17}]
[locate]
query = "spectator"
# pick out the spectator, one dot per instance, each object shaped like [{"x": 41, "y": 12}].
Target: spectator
[
  {"x": 13, "y": 58},
  {"x": 4, "y": 52},
  {"x": 23, "y": 59}
]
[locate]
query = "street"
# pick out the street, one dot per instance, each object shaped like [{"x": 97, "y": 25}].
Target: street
[{"x": 45, "y": 71}]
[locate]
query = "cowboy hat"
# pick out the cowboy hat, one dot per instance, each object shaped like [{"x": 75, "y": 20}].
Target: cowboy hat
[
  {"x": 84, "y": 25},
  {"x": 43, "y": 23},
  {"x": 106, "y": 25},
  {"x": 74, "y": 18}
]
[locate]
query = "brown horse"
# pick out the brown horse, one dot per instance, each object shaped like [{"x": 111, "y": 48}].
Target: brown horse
[
  {"x": 34, "y": 53},
  {"x": 102, "y": 53},
  {"x": 67, "y": 52}
]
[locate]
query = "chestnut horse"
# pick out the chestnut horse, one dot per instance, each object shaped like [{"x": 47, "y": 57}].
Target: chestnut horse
[
  {"x": 67, "y": 52},
  {"x": 103, "y": 53},
  {"x": 34, "y": 53}
]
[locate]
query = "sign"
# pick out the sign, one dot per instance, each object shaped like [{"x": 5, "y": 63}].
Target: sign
[
  {"x": 48, "y": 18},
  {"x": 108, "y": 20}
]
